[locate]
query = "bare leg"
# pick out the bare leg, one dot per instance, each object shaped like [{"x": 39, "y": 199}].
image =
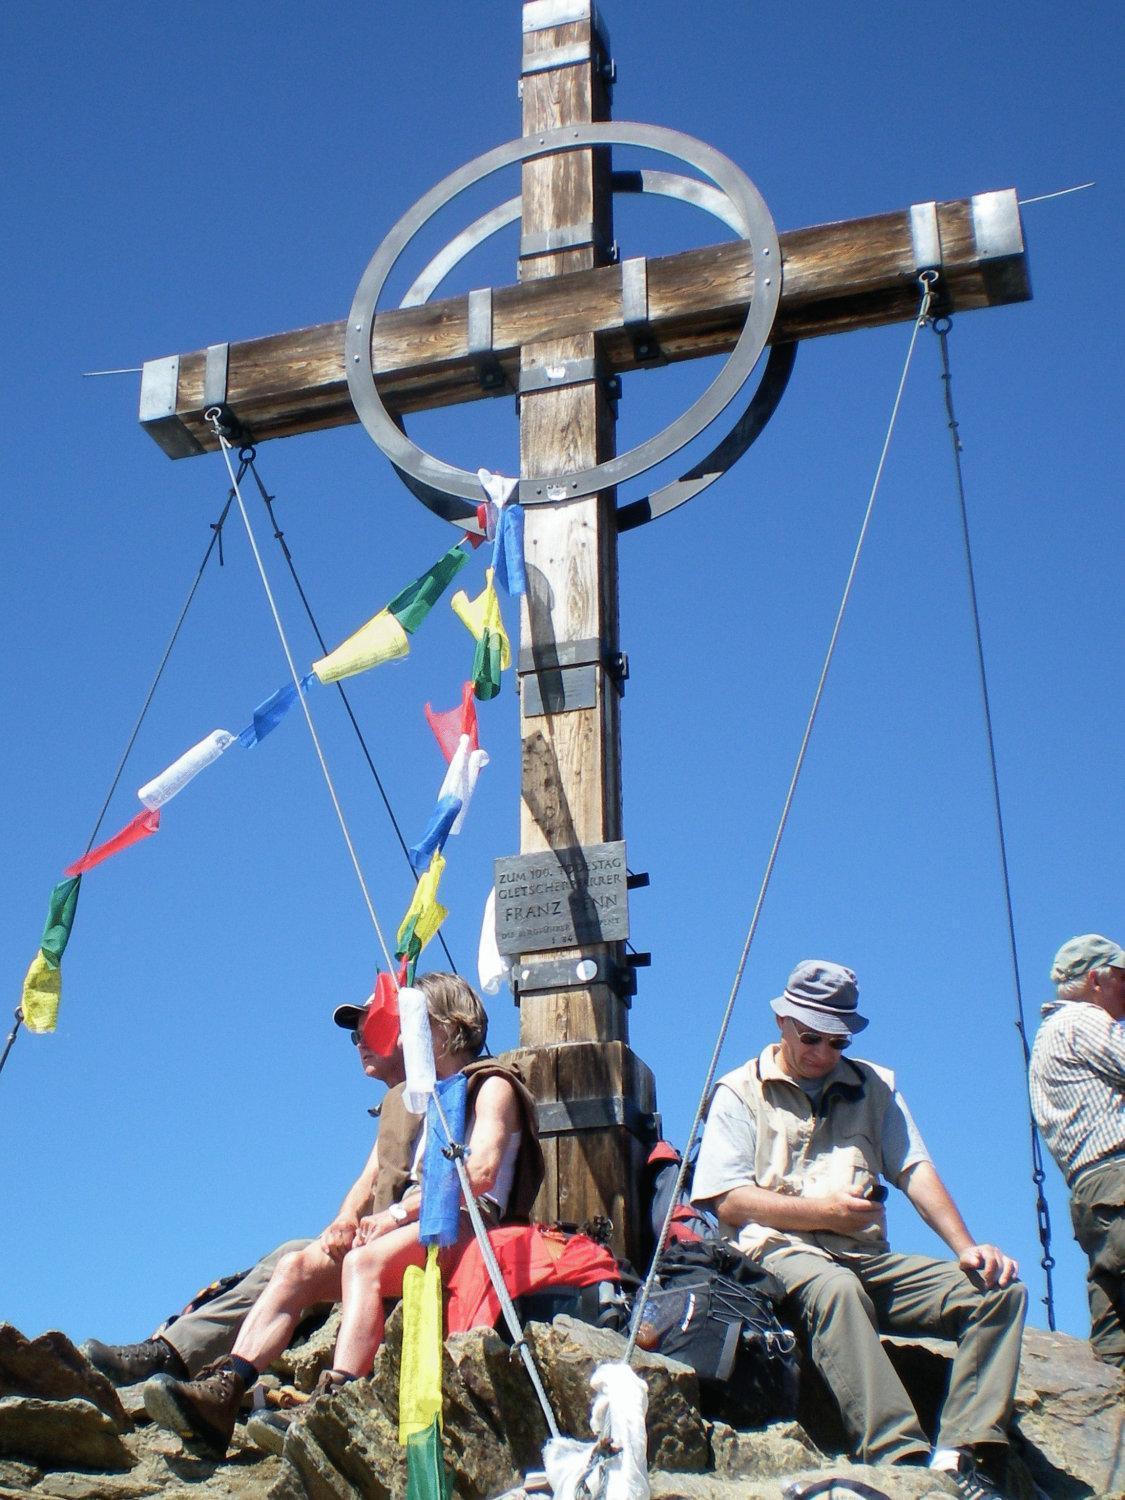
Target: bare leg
[
  {"x": 301, "y": 1279},
  {"x": 370, "y": 1273}
]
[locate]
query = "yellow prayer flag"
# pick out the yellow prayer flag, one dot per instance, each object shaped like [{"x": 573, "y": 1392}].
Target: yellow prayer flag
[
  {"x": 42, "y": 990},
  {"x": 419, "y": 1391},
  {"x": 381, "y": 639},
  {"x": 481, "y": 615},
  {"x": 424, "y": 912}
]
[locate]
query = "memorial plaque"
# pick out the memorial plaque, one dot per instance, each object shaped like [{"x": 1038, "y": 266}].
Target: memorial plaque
[{"x": 561, "y": 898}]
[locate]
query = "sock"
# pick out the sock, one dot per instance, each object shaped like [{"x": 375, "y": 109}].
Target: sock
[{"x": 245, "y": 1369}]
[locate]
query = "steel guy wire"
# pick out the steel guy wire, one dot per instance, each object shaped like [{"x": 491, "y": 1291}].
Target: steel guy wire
[
  {"x": 279, "y": 537},
  {"x": 213, "y": 416},
  {"x": 926, "y": 281},
  {"x": 216, "y": 538},
  {"x": 941, "y": 327}
]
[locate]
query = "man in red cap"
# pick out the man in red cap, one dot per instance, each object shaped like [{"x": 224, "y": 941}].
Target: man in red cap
[
  {"x": 196, "y": 1338},
  {"x": 794, "y": 1153}
]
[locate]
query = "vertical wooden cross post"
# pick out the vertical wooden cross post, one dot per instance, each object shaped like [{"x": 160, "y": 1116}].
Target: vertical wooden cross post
[{"x": 575, "y": 1040}]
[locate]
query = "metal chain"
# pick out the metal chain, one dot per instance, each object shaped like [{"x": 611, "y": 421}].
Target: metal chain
[
  {"x": 216, "y": 539},
  {"x": 926, "y": 281},
  {"x": 941, "y": 327},
  {"x": 248, "y": 455}
]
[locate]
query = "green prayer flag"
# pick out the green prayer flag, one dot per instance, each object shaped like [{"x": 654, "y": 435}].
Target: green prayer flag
[
  {"x": 60, "y": 919},
  {"x": 411, "y": 605},
  {"x": 486, "y": 666},
  {"x": 426, "y": 1478}
]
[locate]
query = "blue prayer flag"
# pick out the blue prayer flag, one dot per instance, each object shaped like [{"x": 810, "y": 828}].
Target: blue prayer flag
[
  {"x": 268, "y": 715},
  {"x": 441, "y": 821},
  {"x": 439, "y": 1221},
  {"x": 507, "y": 550}
]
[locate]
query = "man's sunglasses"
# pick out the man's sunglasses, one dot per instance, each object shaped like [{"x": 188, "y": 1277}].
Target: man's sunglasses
[
  {"x": 812, "y": 1038},
  {"x": 357, "y": 1037}
]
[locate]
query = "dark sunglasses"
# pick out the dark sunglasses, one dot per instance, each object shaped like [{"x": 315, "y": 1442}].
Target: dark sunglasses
[
  {"x": 812, "y": 1038},
  {"x": 357, "y": 1037}
]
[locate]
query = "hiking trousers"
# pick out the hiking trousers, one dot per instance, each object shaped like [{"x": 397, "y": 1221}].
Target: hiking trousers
[
  {"x": 843, "y": 1304},
  {"x": 1097, "y": 1212},
  {"x": 209, "y": 1333}
]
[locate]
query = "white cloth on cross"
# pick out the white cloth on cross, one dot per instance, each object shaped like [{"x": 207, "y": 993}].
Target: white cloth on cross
[
  {"x": 461, "y": 777},
  {"x": 498, "y": 489},
  {"x": 492, "y": 966},
  {"x": 175, "y": 777},
  {"x": 417, "y": 1049},
  {"x": 617, "y": 1415}
]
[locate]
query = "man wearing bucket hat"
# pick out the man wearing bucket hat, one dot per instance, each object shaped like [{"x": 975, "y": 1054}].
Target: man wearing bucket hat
[
  {"x": 1077, "y": 1082},
  {"x": 794, "y": 1153},
  {"x": 206, "y": 1330}
]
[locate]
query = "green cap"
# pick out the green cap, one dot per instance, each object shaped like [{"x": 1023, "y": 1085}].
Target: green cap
[{"x": 1081, "y": 954}]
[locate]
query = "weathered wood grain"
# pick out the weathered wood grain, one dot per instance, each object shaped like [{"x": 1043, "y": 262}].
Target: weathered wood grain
[{"x": 836, "y": 277}]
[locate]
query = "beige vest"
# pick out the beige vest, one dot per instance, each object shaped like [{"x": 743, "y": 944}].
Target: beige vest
[{"x": 813, "y": 1151}]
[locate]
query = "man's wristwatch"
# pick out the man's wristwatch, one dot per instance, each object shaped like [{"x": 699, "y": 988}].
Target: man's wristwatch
[{"x": 398, "y": 1213}]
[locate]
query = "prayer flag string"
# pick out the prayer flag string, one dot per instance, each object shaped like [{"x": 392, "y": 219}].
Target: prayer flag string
[{"x": 385, "y": 637}]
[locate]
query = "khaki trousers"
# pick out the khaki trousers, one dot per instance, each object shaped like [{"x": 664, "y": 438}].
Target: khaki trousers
[
  {"x": 1097, "y": 1212},
  {"x": 843, "y": 1304},
  {"x": 209, "y": 1333}
]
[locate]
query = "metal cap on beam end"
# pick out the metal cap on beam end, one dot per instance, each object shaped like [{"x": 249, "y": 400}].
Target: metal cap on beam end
[
  {"x": 998, "y": 234},
  {"x": 996, "y": 224},
  {"x": 539, "y": 14},
  {"x": 160, "y": 381}
]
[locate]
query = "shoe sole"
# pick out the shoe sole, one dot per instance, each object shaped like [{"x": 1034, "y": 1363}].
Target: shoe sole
[{"x": 164, "y": 1405}]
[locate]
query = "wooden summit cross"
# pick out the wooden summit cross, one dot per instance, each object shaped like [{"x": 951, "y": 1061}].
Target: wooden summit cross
[{"x": 574, "y": 322}]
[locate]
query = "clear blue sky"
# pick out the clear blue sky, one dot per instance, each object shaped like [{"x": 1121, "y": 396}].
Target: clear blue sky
[{"x": 177, "y": 180}]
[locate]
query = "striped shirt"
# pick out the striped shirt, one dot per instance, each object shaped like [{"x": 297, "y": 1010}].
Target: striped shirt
[{"x": 1077, "y": 1083}]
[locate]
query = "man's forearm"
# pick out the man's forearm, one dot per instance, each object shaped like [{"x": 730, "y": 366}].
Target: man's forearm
[
  {"x": 751, "y": 1204},
  {"x": 931, "y": 1198}
]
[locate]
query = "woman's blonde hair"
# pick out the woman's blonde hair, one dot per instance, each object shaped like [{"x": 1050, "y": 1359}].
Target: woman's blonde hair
[{"x": 454, "y": 1004}]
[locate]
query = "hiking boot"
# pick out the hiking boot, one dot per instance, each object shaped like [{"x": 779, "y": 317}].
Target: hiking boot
[
  {"x": 332, "y": 1380},
  {"x": 201, "y": 1411},
  {"x": 127, "y": 1364}
]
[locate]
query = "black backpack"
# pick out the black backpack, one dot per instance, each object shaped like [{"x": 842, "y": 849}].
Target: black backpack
[{"x": 714, "y": 1309}]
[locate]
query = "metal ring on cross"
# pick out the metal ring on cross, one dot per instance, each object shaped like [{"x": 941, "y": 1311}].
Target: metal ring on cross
[{"x": 454, "y": 492}]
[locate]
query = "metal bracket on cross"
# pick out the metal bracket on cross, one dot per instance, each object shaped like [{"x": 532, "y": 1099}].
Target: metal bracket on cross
[{"x": 729, "y": 195}]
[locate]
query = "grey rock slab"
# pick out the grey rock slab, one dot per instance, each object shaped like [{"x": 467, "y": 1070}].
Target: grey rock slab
[
  {"x": 17, "y": 1476},
  {"x": 896, "y": 1484},
  {"x": 61, "y": 1434},
  {"x": 781, "y": 1448},
  {"x": 567, "y": 1353},
  {"x": 93, "y": 1487},
  {"x": 344, "y": 1446},
  {"x": 52, "y": 1368},
  {"x": 1070, "y": 1410},
  {"x": 301, "y": 1365}
]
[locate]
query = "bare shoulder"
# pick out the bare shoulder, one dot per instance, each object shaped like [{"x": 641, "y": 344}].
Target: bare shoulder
[{"x": 496, "y": 1096}]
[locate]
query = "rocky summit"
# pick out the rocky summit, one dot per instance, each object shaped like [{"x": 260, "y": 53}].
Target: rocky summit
[{"x": 66, "y": 1433}]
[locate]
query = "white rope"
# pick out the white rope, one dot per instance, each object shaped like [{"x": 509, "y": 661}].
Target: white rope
[
  {"x": 926, "y": 280},
  {"x": 213, "y": 417}
]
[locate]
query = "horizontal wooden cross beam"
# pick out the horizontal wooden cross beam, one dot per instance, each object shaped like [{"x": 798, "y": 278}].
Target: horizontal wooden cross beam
[{"x": 855, "y": 274}]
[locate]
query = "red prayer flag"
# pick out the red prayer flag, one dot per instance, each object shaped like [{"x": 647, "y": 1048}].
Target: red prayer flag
[
  {"x": 380, "y": 1024},
  {"x": 144, "y": 824},
  {"x": 451, "y": 723}
]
